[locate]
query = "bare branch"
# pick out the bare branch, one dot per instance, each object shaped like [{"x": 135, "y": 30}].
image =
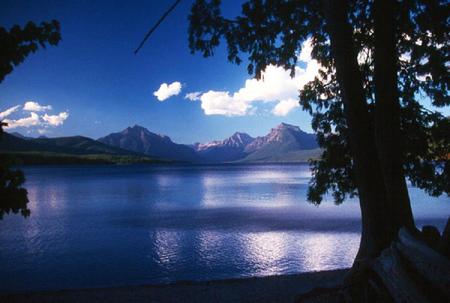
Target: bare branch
[{"x": 156, "y": 25}]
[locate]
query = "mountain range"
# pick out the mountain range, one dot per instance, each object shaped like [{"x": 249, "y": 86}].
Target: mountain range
[
  {"x": 140, "y": 140},
  {"x": 284, "y": 143},
  {"x": 230, "y": 149},
  {"x": 76, "y": 145}
]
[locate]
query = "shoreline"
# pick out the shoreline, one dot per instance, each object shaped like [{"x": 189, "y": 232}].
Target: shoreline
[
  {"x": 161, "y": 163},
  {"x": 281, "y": 288}
]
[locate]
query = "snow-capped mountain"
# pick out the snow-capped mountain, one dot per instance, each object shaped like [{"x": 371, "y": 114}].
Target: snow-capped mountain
[{"x": 230, "y": 149}]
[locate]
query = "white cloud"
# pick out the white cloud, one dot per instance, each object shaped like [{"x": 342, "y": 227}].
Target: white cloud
[
  {"x": 194, "y": 96},
  {"x": 8, "y": 112},
  {"x": 36, "y": 107},
  {"x": 284, "y": 107},
  {"x": 32, "y": 120},
  {"x": 221, "y": 103},
  {"x": 43, "y": 131},
  {"x": 275, "y": 86},
  {"x": 55, "y": 120},
  {"x": 166, "y": 91}
]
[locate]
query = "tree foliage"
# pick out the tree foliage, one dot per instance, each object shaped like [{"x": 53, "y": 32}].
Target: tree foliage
[
  {"x": 16, "y": 44},
  {"x": 13, "y": 196},
  {"x": 272, "y": 32}
]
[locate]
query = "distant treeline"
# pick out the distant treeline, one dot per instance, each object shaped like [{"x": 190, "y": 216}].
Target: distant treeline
[{"x": 48, "y": 158}]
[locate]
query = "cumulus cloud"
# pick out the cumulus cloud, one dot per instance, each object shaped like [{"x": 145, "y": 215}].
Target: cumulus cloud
[
  {"x": 8, "y": 112},
  {"x": 221, "y": 103},
  {"x": 275, "y": 86},
  {"x": 284, "y": 107},
  {"x": 305, "y": 54},
  {"x": 166, "y": 91},
  {"x": 36, "y": 107},
  {"x": 32, "y": 120},
  {"x": 194, "y": 96},
  {"x": 55, "y": 120}
]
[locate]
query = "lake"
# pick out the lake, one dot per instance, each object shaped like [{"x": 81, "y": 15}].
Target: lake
[{"x": 101, "y": 226}]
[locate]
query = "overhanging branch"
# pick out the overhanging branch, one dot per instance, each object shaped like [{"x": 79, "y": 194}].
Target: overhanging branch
[{"x": 156, "y": 25}]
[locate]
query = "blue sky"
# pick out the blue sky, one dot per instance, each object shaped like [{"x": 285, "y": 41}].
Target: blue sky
[
  {"x": 94, "y": 77},
  {"x": 95, "y": 84}
]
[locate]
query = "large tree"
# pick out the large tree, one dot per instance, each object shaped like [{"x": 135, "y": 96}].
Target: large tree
[
  {"x": 379, "y": 61},
  {"x": 16, "y": 44}
]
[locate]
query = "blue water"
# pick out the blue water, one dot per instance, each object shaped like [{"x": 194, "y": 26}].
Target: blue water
[{"x": 99, "y": 226}]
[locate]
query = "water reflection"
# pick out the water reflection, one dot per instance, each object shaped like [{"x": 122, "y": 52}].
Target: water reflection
[
  {"x": 212, "y": 247},
  {"x": 267, "y": 174},
  {"x": 51, "y": 195},
  {"x": 218, "y": 253},
  {"x": 267, "y": 188},
  {"x": 266, "y": 251},
  {"x": 167, "y": 246},
  {"x": 45, "y": 202},
  {"x": 116, "y": 225},
  {"x": 323, "y": 251}
]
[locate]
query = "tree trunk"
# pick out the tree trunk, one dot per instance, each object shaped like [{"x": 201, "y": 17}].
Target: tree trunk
[
  {"x": 387, "y": 115},
  {"x": 377, "y": 230}
]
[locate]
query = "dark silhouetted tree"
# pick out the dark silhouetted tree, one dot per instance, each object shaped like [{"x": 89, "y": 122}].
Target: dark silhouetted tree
[
  {"x": 16, "y": 44},
  {"x": 379, "y": 59}
]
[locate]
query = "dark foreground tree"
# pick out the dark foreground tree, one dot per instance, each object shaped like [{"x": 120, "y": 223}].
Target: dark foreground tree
[
  {"x": 16, "y": 44},
  {"x": 379, "y": 60}
]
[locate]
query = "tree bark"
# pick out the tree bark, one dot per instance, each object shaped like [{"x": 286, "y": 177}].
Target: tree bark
[
  {"x": 387, "y": 114},
  {"x": 377, "y": 231}
]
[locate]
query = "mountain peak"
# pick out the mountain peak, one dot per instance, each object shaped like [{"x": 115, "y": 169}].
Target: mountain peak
[
  {"x": 140, "y": 130},
  {"x": 136, "y": 127},
  {"x": 286, "y": 137},
  {"x": 140, "y": 140},
  {"x": 288, "y": 126},
  {"x": 230, "y": 149},
  {"x": 242, "y": 138}
]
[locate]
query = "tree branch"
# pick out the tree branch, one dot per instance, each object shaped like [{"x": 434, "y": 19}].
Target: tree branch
[{"x": 156, "y": 25}]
